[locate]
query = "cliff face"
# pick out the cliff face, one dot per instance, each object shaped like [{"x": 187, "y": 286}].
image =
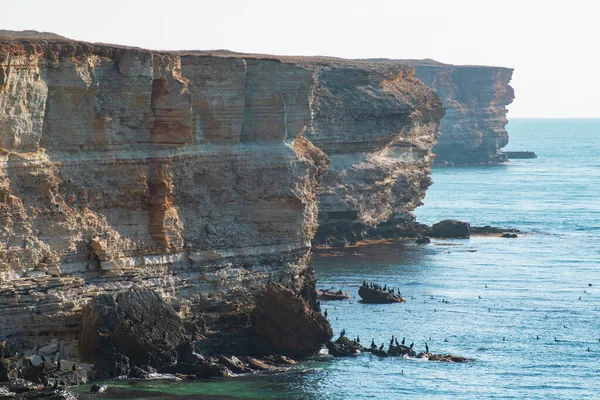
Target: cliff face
[
  {"x": 378, "y": 128},
  {"x": 192, "y": 174},
  {"x": 475, "y": 97},
  {"x": 124, "y": 167}
]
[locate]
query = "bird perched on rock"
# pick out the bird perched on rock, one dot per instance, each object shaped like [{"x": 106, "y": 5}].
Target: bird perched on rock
[
  {"x": 373, "y": 345},
  {"x": 357, "y": 339},
  {"x": 392, "y": 340},
  {"x": 426, "y": 348},
  {"x": 325, "y": 313},
  {"x": 396, "y": 341},
  {"x": 412, "y": 344},
  {"x": 381, "y": 347},
  {"x": 403, "y": 341}
]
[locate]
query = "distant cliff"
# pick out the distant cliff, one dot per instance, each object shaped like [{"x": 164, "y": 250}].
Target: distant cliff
[
  {"x": 475, "y": 97},
  {"x": 195, "y": 174}
]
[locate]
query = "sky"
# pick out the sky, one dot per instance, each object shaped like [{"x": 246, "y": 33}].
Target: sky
[{"x": 552, "y": 45}]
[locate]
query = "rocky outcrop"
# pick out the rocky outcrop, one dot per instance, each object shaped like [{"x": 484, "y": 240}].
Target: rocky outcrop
[
  {"x": 377, "y": 295},
  {"x": 123, "y": 168},
  {"x": 377, "y": 127},
  {"x": 473, "y": 129},
  {"x": 193, "y": 174}
]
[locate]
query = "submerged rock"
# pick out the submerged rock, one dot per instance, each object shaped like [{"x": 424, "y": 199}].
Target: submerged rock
[
  {"x": 482, "y": 230},
  {"x": 326, "y": 294},
  {"x": 443, "y": 358}
]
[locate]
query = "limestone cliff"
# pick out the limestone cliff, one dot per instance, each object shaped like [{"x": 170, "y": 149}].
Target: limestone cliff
[
  {"x": 194, "y": 174},
  {"x": 378, "y": 128},
  {"x": 473, "y": 130}
]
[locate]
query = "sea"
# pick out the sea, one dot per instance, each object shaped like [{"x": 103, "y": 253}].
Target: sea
[{"x": 525, "y": 311}]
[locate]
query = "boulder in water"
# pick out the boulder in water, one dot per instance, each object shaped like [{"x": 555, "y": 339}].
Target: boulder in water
[
  {"x": 451, "y": 228},
  {"x": 378, "y": 296}
]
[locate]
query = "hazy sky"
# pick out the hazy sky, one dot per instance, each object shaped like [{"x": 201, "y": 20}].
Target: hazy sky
[{"x": 552, "y": 45}]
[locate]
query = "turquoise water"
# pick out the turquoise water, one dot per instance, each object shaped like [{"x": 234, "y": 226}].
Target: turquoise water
[{"x": 537, "y": 286}]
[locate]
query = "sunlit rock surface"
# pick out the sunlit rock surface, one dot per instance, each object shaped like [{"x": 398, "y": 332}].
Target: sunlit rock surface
[
  {"x": 474, "y": 127},
  {"x": 195, "y": 174}
]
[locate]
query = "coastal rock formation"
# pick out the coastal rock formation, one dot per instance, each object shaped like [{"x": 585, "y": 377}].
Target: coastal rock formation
[
  {"x": 473, "y": 129},
  {"x": 378, "y": 127},
  {"x": 377, "y": 295},
  {"x": 195, "y": 175},
  {"x": 124, "y": 168}
]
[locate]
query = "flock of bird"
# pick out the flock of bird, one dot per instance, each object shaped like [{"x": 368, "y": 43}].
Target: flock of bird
[{"x": 394, "y": 341}]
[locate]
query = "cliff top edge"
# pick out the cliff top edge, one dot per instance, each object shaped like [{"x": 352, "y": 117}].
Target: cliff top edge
[{"x": 28, "y": 36}]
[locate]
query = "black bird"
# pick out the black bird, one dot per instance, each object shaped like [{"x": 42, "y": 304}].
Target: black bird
[
  {"x": 325, "y": 313},
  {"x": 579, "y": 297},
  {"x": 373, "y": 345},
  {"x": 486, "y": 286},
  {"x": 392, "y": 340},
  {"x": 555, "y": 339},
  {"x": 537, "y": 337},
  {"x": 479, "y": 297},
  {"x": 396, "y": 342},
  {"x": 445, "y": 340},
  {"x": 404, "y": 340},
  {"x": 357, "y": 339},
  {"x": 381, "y": 347},
  {"x": 342, "y": 333},
  {"x": 503, "y": 339},
  {"x": 588, "y": 349},
  {"x": 412, "y": 344},
  {"x": 426, "y": 348},
  {"x": 589, "y": 284}
]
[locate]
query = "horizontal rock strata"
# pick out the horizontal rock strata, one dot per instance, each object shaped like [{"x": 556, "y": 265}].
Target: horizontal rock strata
[
  {"x": 193, "y": 174},
  {"x": 378, "y": 128},
  {"x": 475, "y": 97}
]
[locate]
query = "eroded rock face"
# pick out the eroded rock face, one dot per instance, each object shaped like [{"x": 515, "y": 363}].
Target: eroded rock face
[
  {"x": 126, "y": 168},
  {"x": 196, "y": 175},
  {"x": 138, "y": 324},
  {"x": 377, "y": 127},
  {"x": 288, "y": 322},
  {"x": 473, "y": 129}
]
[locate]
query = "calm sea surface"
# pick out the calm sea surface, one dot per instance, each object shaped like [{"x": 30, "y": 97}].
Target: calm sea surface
[{"x": 528, "y": 332}]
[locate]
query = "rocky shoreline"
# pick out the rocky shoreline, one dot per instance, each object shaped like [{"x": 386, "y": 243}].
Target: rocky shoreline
[
  {"x": 422, "y": 233},
  {"x": 158, "y": 209}
]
